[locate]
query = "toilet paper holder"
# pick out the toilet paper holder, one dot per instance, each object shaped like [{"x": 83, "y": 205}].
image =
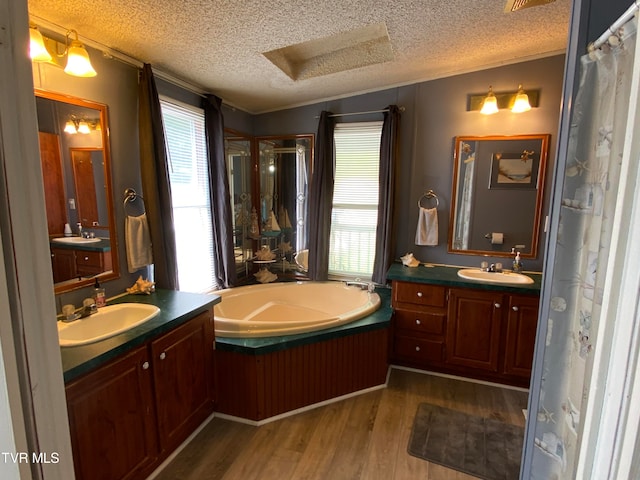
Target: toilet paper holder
[{"x": 495, "y": 237}]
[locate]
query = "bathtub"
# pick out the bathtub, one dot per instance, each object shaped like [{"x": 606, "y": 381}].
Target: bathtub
[{"x": 288, "y": 308}]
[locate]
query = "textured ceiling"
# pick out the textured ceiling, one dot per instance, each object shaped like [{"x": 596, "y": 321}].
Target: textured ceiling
[{"x": 217, "y": 45}]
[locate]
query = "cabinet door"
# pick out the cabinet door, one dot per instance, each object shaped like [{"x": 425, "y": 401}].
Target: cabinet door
[
  {"x": 522, "y": 323},
  {"x": 473, "y": 328},
  {"x": 183, "y": 375},
  {"x": 63, "y": 264},
  {"x": 112, "y": 421}
]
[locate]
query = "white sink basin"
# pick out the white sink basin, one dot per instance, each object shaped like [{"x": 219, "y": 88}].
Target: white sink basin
[
  {"x": 477, "y": 275},
  {"x": 75, "y": 240},
  {"x": 109, "y": 321}
]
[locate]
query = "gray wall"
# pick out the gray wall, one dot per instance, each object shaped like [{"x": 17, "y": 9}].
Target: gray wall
[
  {"x": 435, "y": 113},
  {"x": 115, "y": 86}
]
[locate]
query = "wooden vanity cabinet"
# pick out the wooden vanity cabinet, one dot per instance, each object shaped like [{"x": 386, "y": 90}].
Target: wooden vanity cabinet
[
  {"x": 89, "y": 263},
  {"x": 112, "y": 419},
  {"x": 476, "y": 333},
  {"x": 69, "y": 263},
  {"x": 419, "y": 324},
  {"x": 127, "y": 416},
  {"x": 182, "y": 374},
  {"x": 473, "y": 328},
  {"x": 522, "y": 324}
]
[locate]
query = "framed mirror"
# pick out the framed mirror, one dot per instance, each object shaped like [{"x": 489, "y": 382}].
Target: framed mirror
[
  {"x": 76, "y": 170},
  {"x": 242, "y": 189},
  {"x": 497, "y": 194},
  {"x": 284, "y": 168}
]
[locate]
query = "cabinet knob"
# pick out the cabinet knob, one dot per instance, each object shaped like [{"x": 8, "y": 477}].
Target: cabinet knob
[
  {"x": 163, "y": 355},
  {"x": 86, "y": 259},
  {"x": 145, "y": 366},
  {"x": 497, "y": 305},
  {"x": 417, "y": 321},
  {"x": 417, "y": 348},
  {"x": 514, "y": 308},
  {"x": 419, "y": 294}
]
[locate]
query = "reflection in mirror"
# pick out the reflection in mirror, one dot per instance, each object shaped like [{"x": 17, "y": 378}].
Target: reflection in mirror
[
  {"x": 497, "y": 194},
  {"x": 284, "y": 167},
  {"x": 239, "y": 168},
  {"x": 76, "y": 171}
]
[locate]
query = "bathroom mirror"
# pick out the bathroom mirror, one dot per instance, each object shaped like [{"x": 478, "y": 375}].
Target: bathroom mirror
[
  {"x": 76, "y": 168},
  {"x": 497, "y": 194},
  {"x": 238, "y": 152},
  {"x": 284, "y": 168}
]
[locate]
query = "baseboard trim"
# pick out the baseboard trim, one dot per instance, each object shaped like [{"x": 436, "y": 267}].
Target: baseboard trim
[
  {"x": 456, "y": 377},
  {"x": 290, "y": 413}
]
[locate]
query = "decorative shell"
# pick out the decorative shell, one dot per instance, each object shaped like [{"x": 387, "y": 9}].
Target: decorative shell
[
  {"x": 265, "y": 253},
  {"x": 265, "y": 276},
  {"x": 409, "y": 260},
  {"x": 142, "y": 287}
]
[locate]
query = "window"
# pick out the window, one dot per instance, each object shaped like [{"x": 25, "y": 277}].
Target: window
[
  {"x": 355, "y": 199},
  {"x": 189, "y": 178}
]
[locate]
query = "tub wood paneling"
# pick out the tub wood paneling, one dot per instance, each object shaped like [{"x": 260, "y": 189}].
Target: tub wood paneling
[{"x": 262, "y": 386}]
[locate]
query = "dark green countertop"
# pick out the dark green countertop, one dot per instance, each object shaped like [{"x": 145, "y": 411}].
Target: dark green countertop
[
  {"x": 175, "y": 308},
  {"x": 104, "y": 245},
  {"x": 448, "y": 276},
  {"x": 381, "y": 318}
]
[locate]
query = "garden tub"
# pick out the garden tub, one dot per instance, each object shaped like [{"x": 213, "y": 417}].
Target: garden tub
[{"x": 289, "y": 308}]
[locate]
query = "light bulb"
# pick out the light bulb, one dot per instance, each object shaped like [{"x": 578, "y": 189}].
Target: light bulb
[
  {"x": 37, "y": 51},
  {"x": 521, "y": 103},
  {"x": 78, "y": 62},
  {"x": 490, "y": 104}
]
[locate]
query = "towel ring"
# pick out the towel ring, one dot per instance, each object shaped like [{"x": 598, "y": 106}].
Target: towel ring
[
  {"x": 429, "y": 195},
  {"x": 131, "y": 196}
]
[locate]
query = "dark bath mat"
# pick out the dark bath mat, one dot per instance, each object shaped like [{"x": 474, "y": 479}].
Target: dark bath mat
[{"x": 482, "y": 447}]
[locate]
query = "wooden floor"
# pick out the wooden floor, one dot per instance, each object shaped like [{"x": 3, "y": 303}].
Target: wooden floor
[{"x": 364, "y": 437}]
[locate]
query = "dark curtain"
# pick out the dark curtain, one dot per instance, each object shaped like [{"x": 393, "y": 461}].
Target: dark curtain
[
  {"x": 385, "y": 244},
  {"x": 321, "y": 198},
  {"x": 155, "y": 182},
  {"x": 224, "y": 260}
]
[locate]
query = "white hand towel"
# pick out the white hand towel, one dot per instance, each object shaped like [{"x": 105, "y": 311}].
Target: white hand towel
[
  {"x": 137, "y": 242},
  {"x": 427, "y": 231}
]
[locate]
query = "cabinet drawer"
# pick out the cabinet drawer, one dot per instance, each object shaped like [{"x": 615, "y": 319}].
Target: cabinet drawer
[
  {"x": 88, "y": 259},
  {"x": 418, "y": 350},
  {"x": 419, "y": 294},
  {"x": 420, "y": 321}
]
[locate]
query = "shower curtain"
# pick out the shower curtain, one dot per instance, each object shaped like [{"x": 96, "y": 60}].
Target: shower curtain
[{"x": 594, "y": 159}]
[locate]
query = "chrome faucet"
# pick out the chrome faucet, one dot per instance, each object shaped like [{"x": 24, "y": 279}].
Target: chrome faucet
[
  {"x": 89, "y": 307},
  {"x": 369, "y": 286},
  {"x": 494, "y": 267}
]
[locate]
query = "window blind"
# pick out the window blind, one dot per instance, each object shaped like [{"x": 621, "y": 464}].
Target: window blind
[
  {"x": 189, "y": 178},
  {"x": 355, "y": 199}
]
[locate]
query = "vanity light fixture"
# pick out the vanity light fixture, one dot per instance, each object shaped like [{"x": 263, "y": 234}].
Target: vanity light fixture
[
  {"x": 37, "y": 51},
  {"x": 76, "y": 125},
  {"x": 521, "y": 103},
  {"x": 43, "y": 49},
  {"x": 490, "y": 104}
]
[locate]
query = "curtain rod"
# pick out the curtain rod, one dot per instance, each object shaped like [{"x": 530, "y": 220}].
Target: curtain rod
[
  {"x": 363, "y": 113},
  {"x": 624, "y": 18}
]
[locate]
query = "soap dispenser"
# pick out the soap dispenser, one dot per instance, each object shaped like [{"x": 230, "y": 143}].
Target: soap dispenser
[
  {"x": 99, "y": 294},
  {"x": 517, "y": 264}
]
